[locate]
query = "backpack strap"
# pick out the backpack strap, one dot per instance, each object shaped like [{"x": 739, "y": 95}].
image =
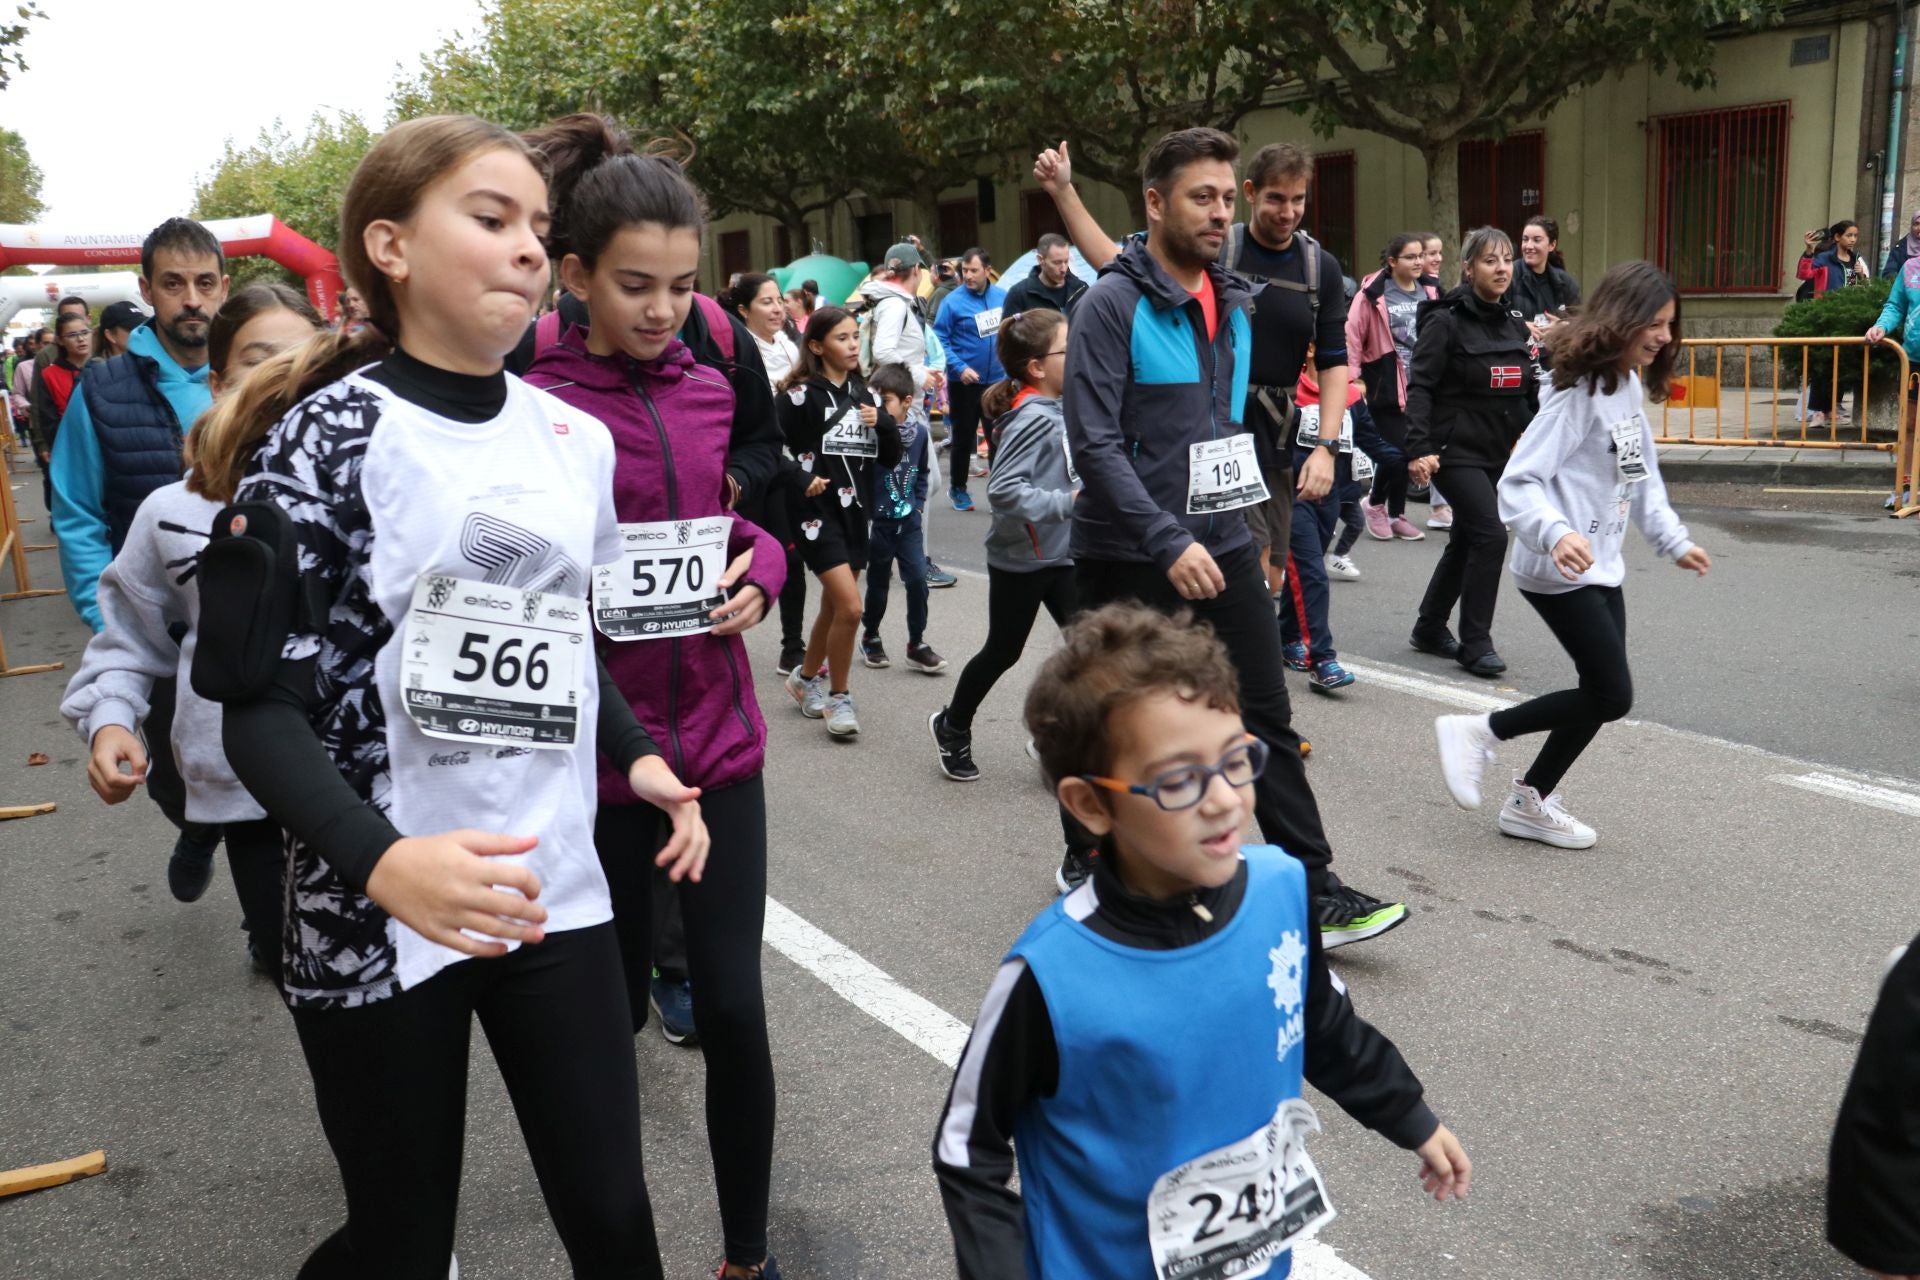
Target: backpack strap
[
  {"x": 719, "y": 324},
  {"x": 546, "y": 331},
  {"x": 1235, "y": 242}
]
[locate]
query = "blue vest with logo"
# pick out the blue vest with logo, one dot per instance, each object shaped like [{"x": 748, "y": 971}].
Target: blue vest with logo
[
  {"x": 1164, "y": 1056},
  {"x": 139, "y": 436}
]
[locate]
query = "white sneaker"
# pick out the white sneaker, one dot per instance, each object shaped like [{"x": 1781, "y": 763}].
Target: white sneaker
[
  {"x": 1466, "y": 749},
  {"x": 1342, "y": 568},
  {"x": 809, "y": 695},
  {"x": 1526, "y": 816},
  {"x": 1440, "y": 518},
  {"x": 841, "y": 721}
]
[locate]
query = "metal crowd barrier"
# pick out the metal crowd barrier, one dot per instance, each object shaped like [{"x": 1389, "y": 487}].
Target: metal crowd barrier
[{"x": 1704, "y": 408}]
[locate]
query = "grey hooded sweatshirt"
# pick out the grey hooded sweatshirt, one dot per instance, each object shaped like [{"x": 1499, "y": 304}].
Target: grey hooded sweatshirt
[
  {"x": 1567, "y": 476},
  {"x": 1031, "y": 490}
]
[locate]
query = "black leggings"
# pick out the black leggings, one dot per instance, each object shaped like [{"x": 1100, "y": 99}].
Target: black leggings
[
  {"x": 1013, "y": 602},
  {"x": 1469, "y": 570},
  {"x": 725, "y": 915},
  {"x": 257, "y": 857},
  {"x": 1243, "y": 617},
  {"x": 390, "y": 1079},
  {"x": 1591, "y": 625},
  {"x": 1390, "y": 478}
]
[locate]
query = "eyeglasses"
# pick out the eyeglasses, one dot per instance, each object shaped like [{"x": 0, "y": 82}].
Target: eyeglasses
[
  {"x": 1062, "y": 351},
  {"x": 1183, "y": 788}
]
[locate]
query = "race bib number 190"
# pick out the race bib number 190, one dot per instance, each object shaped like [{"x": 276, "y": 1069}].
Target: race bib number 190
[
  {"x": 666, "y": 581},
  {"x": 493, "y": 665},
  {"x": 1231, "y": 1212},
  {"x": 1223, "y": 475}
]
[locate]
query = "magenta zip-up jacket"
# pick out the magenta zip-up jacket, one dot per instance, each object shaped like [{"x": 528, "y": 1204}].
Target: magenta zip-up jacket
[{"x": 671, "y": 421}]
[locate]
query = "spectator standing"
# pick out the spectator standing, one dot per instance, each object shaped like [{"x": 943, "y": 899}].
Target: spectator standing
[
  {"x": 1907, "y": 246},
  {"x": 967, "y": 325},
  {"x": 1051, "y": 285},
  {"x": 1832, "y": 259}
]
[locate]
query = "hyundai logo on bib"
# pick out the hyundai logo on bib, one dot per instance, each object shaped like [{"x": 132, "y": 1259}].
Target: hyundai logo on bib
[{"x": 468, "y": 726}]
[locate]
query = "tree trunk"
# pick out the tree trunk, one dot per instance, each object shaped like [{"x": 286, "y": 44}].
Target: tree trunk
[
  {"x": 1443, "y": 197},
  {"x": 797, "y": 238}
]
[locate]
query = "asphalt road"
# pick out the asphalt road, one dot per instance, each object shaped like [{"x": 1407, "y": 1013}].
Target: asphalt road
[{"x": 1641, "y": 1045}]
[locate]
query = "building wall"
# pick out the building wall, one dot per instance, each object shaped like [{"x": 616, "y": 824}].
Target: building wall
[{"x": 1597, "y": 170}]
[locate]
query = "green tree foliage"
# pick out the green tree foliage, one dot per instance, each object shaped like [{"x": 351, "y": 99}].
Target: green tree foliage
[
  {"x": 1447, "y": 70},
  {"x": 299, "y": 180},
  {"x": 20, "y": 180},
  {"x": 12, "y": 36},
  {"x": 1003, "y": 77},
  {"x": 746, "y": 83}
]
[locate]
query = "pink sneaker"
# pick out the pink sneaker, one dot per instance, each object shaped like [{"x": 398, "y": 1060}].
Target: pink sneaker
[
  {"x": 1377, "y": 524},
  {"x": 1403, "y": 529}
]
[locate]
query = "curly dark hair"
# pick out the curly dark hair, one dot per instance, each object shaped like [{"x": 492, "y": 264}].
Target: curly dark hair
[{"x": 1592, "y": 343}]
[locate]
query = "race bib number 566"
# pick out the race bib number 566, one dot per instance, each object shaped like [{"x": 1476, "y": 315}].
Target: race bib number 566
[{"x": 493, "y": 665}]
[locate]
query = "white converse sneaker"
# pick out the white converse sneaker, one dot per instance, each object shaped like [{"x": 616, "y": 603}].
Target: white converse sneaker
[
  {"x": 1526, "y": 816},
  {"x": 1466, "y": 749}
]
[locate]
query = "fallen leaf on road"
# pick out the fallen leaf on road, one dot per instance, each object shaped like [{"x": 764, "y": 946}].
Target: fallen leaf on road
[{"x": 38, "y": 757}]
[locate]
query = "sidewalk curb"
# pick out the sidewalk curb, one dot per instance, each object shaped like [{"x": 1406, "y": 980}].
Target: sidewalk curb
[{"x": 1728, "y": 469}]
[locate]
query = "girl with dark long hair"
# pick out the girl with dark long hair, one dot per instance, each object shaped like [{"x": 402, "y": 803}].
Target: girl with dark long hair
[{"x": 1585, "y": 468}]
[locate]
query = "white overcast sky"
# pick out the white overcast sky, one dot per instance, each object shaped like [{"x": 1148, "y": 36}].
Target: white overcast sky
[{"x": 126, "y": 102}]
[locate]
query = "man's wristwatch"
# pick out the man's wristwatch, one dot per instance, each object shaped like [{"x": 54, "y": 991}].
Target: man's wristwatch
[{"x": 1331, "y": 446}]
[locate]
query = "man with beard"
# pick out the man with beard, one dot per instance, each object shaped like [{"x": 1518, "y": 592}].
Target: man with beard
[
  {"x": 119, "y": 440},
  {"x": 1159, "y": 363}
]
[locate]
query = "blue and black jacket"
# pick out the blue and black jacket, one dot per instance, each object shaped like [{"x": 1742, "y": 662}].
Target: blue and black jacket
[{"x": 1144, "y": 385}]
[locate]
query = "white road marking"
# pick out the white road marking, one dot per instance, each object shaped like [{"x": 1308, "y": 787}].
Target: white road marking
[
  {"x": 864, "y": 986},
  {"x": 918, "y": 1020},
  {"x": 1827, "y": 784},
  {"x": 1453, "y": 695},
  {"x": 1861, "y": 493}
]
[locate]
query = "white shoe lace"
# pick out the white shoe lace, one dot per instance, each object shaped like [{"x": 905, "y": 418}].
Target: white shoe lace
[{"x": 1555, "y": 810}]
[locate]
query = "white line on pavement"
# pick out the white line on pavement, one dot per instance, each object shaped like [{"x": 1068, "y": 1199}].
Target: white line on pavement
[
  {"x": 865, "y": 987},
  {"x": 1827, "y": 784},
  {"x": 1421, "y": 686},
  {"x": 916, "y": 1019}
]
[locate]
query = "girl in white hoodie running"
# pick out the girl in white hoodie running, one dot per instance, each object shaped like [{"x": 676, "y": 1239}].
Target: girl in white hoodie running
[{"x": 1584, "y": 468}]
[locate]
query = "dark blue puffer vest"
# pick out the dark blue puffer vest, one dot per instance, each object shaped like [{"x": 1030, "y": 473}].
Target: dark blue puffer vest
[{"x": 139, "y": 436}]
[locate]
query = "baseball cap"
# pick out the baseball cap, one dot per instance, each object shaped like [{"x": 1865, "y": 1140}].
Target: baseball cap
[
  {"x": 902, "y": 257},
  {"x": 122, "y": 315}
]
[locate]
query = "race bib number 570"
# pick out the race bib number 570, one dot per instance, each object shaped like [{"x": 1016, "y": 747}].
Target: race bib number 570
[
  {"x": 666, "y": 581},
  {"x": 492, "y": 665}
]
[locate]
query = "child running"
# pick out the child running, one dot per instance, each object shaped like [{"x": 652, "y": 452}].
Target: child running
[
  {"x": 1030, "y": 490},
  {"x": 1583, "y": 469},
  {"x": 689, "y": 579},
  {"x": 150, "y": 607},
  {"x": 836, "y": 432},
  {"x": 898, "y": 532},
  {"x": 1143, "y": 1046},
  {"x": 421, "y": 528}
]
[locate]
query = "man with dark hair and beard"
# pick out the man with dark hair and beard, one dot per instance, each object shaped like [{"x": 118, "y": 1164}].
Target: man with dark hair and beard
[
  {"x": 1159, "y": 362},
  {"x": 119, "y": 440}
]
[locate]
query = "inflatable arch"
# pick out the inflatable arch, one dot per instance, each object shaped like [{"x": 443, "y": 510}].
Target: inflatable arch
[
  {"x": 263, "y": 234},
  {"x": 20, "y": 293}
]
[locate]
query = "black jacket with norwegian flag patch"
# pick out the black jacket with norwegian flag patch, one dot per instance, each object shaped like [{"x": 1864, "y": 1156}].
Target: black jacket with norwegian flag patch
[{"x": 1475, "y": 381}]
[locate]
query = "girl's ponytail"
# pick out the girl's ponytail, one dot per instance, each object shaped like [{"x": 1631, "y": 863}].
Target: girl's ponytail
[
  {"x": 229, "y": 432},
  {"x": 1025, "y": 336}
]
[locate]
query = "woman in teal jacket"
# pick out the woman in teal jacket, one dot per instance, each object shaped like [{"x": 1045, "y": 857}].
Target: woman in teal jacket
[{"x": 1903, "y": 303}]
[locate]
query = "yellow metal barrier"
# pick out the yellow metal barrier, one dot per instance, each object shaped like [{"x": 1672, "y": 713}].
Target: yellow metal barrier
[{"x": 1709, "y": 410}]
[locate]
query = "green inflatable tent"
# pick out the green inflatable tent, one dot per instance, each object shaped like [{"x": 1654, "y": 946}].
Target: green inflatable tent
[{"x": 836, "y": 277}]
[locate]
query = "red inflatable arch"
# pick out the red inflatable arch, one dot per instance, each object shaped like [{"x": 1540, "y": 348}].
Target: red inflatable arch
[{"x": 263, "y": 235}]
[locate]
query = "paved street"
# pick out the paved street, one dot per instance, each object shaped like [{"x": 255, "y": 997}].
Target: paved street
[{"x": 1641, "y": 1045}]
